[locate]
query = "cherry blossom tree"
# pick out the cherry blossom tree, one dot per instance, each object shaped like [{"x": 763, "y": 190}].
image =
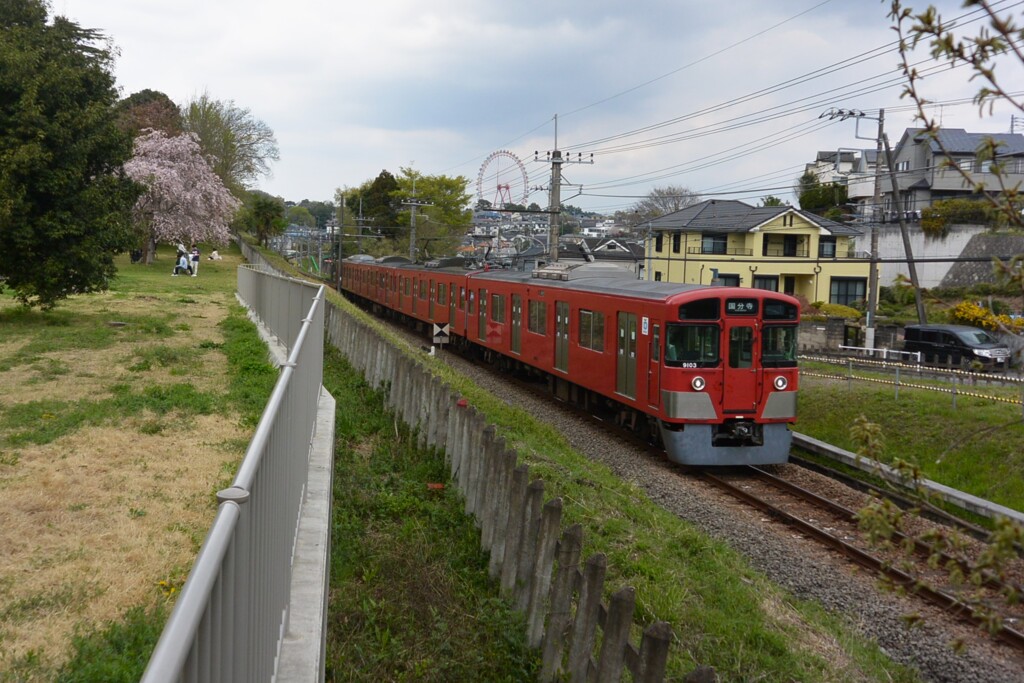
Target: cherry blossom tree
[{"x": 184, "y": 201}]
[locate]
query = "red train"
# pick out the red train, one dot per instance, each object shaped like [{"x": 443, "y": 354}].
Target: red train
[{"x": 709, "y": 372}]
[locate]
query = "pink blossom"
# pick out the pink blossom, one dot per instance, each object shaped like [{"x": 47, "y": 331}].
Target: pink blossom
[{"x": 185, "y": 201}]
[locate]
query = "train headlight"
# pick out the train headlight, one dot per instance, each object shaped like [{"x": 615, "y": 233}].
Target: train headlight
[
  {"x": 781, "y": 383},
  {"x": 698, "y": 383}
]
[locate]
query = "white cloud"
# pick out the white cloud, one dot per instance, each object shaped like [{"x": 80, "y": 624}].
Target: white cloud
[{"x": 354, "y": 88}]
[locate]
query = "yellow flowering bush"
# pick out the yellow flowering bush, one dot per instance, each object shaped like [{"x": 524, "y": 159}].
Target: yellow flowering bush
[{"x": 970, "y": 313}]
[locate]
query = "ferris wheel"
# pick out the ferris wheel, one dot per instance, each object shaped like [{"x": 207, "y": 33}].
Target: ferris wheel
[{"x": 503, "y": 177}]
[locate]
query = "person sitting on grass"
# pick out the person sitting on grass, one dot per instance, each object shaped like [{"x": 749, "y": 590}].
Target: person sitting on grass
[{"x": 182, "y": 266}]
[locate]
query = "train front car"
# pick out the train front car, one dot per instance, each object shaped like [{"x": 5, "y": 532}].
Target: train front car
[{"x": 729, "y": 377}]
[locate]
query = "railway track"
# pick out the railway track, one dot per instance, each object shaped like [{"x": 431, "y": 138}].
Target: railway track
[{"x": 836, "y": 527}]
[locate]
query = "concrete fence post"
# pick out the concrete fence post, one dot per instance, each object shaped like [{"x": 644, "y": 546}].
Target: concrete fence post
[
  {"x": 654, "y": 653},
  {"x": 514, "y": 528},
  {"x": 550, "y": 522},
  {"x": 445, "y": 400},
  {"x": 478, "y": 474},
  {"x": 468, "y": 419},
  {"x": 490, "y": 489},
  {"x": 559, "y": 613},
  {"x": 615, "y": 634},
  {"x": 507, "y": 461},
  {"x": 528, "y": 543},
  {"x": 585, "y": 624}
]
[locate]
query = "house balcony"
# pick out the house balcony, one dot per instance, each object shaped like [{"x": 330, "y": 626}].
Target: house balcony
[
  {"x": 715, "y": 250},
  {"x": 782, "y": 252}
]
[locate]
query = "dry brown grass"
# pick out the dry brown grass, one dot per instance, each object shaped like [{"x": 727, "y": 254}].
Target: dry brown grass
[{"x": 92, "y": 522}]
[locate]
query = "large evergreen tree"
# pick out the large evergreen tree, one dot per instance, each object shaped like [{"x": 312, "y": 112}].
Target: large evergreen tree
[{"x": 64, "y": 200}]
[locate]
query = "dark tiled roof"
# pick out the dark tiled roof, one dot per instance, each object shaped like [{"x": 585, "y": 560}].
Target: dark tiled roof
[
  {"x": 959, "y": 141},
  {"x": 729, "y": 215}
]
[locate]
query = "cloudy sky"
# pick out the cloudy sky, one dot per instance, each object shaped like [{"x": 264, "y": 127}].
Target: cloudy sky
[{"x": 722, "y": 97}]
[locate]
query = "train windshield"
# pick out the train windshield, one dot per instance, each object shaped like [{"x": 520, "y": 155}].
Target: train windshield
[
  {"x": 692, "y": 346},
  {"x": 778, "y": 346}
]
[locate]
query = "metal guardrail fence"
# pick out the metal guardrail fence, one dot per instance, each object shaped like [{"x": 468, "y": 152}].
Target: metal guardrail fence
[
  {"x": 958, "y": 379},
  {"x": 228, "y": 622}
]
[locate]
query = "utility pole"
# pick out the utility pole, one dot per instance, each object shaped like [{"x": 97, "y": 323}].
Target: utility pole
[
  {"x": 413, "y": 202},
  {"x": 911, "y": 266},
  {"x": 555, "y": 193},
  {"x": 876, "y": 213}
]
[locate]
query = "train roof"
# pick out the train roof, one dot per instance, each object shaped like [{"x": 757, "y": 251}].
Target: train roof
[{"x": 599, "y": 278}]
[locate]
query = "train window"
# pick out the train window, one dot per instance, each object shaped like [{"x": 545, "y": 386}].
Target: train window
[
  {"x": 442, "y": 293},
  {"x": 462, "y": 298},
  {"x": 702, "y": 309},
  {"x": 423, "y": 289},
  {"x": 779, "y": 310},
  {"x": 656, "y": 343},
  {"x": 538, "y": 317},
  {"x": 592, "y": 330},
  {"x": 778, "y": 346},
  {"x": 692, "y": 346},
  {"x": 498, "y": 308},
  {"x": 741, "y": 347}
]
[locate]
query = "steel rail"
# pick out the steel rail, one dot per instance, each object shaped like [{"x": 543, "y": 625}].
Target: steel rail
[{"x": 900, "y": 578}]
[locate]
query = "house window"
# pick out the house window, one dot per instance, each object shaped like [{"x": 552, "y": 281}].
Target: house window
[
  {"x": 592, "y": 330},
  {"x": 729, "y": 280},
  {"x": 498, "y": 308},
  {"x": 657, "y": 276},
  {"x": 986, "y": 166},
  {"x": 538, "y": 317},
  {"x": 676, "y": 240},
  {"x": 714, "y": 244},
  {"x": 827, "y": 247},
  {"x": 965, "y": 164},
  {"x": 847, "y": 290},
  {"x": 769, "y": 282},
  {"x": 659, "y": 241},
  {"x": 902, "y": 166}
]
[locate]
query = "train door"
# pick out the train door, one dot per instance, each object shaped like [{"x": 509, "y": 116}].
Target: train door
[
  {"x": 517, "y": 323},
  {"x": 482, "y": 318},
  {"x": 625, "y": 355},
  {"x": 562, "y": 336},
  {"x": 654, "y": 368},
  {"x": 739, "y": 390}
]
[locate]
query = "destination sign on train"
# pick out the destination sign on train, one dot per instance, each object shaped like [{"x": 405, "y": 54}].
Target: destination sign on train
[{"x": 741, "y": 306}]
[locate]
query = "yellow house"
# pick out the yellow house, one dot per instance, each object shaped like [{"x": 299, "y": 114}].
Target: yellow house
[{"x": 778, "y": 248}]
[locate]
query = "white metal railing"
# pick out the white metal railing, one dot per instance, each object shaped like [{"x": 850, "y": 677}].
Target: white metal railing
[
  {"x": 885, "y": 354},
  {"x": 229, "y": 620}
]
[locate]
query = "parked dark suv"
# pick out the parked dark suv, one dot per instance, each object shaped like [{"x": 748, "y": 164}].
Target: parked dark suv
[{"x": 957, "y": 345}]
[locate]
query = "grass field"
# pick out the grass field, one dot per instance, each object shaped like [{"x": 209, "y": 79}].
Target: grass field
[
  {"x": 977, "y": 447},
  {"x": 120, "y": 418}
]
